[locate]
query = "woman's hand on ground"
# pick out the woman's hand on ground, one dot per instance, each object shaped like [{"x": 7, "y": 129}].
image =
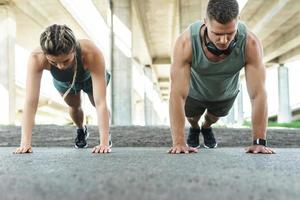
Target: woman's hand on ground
[
  {"x": 23, "y": 149},
  {"x": 101, "y": 149}
]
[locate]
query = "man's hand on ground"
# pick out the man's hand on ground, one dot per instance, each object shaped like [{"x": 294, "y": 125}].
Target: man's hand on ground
[
  {"x": 259, "y": 149},
  {"x": 23, "y": 149},
  {"x": 182, "y": 149}
]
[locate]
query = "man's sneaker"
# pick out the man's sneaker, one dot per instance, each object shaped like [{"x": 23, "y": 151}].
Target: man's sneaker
[
  {"x": 209, "y": 138},
  {"x": 82, "y": 136},
  {"x": 193, "y": 137}
]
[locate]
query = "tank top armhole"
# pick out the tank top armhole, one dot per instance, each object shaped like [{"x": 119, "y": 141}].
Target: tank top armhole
[
  {"x": 245, "y": 31},
  {"x": 195, "y": 39}
]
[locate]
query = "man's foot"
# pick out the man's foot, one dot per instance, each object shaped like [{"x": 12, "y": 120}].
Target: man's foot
[
  {"x": 193, "y": 138},
  {"x": 82, "y": 136},
  {"x": 209, "y": 138}
]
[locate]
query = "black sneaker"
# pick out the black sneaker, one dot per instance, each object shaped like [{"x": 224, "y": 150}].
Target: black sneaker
[
  {"x": 82, "y": 136},
  {"x": 209, "y": 138},
  {"x": 193, "y": 137},
  {"x": 110, "y": 142}
]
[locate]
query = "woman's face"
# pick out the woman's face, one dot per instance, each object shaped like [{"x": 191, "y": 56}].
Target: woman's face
[{"x": 62, "y": 62}]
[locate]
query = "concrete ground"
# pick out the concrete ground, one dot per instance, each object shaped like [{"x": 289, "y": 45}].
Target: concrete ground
[
  {"x": 149, "y": 173},
  {"x": 142, "y": 136}
]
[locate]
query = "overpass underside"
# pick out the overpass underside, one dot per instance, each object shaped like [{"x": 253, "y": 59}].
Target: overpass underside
[{"x": 136, "y": 37}]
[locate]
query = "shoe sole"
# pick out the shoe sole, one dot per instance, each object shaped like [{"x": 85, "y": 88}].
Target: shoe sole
[
  {"x": 86, "y": 137},
  {"x": 197, "y": 147},
  {"x": 210, "y": 147}
]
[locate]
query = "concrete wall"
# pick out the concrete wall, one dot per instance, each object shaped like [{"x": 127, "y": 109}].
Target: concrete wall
[{"x": 7, "y": 65}]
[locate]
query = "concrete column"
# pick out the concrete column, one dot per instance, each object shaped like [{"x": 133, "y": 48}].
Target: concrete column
[
  {"x": 7, "y": 65},
  {"x": 284, "y": 109},
  {"x": 240, "y": 106},
  {"x": 148, "y": 103},
  {"x": 230, "y": 116},
  {"x": 121, "y": 64}
]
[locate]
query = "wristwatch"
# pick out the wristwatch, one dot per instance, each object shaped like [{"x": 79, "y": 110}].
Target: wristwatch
[{"x": 259, "y": 141}]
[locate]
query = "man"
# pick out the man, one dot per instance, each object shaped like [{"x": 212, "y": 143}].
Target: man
[{"x": 205, "y": 70}]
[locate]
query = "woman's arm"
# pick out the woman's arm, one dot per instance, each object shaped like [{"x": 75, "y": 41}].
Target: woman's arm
[
  {"x": 33, "y": 80},
  {"x": 96, "y": 65}
]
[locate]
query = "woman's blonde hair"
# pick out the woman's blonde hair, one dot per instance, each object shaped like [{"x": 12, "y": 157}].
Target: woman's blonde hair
[{"x": 59, "y": 40}]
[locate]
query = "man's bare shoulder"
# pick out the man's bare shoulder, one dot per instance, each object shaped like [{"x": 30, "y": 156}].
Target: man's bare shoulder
[
  {"x": 253, "y": 47},
  {"x": 252, "y": 40},
  {"x": 183, "y": 45}
]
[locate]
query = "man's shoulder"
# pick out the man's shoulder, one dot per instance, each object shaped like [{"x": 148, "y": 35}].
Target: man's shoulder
[
  {"x": 254, "y": 49},
  {"x": 184, "y": 42},
  {"x": 252, "y": 40}
]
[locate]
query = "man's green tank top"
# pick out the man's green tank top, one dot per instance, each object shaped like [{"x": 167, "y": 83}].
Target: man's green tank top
[{"x": 215, "y": 81}]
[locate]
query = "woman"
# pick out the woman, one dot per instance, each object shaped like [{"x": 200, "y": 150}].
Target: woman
[{"x": 75, "y": 66}]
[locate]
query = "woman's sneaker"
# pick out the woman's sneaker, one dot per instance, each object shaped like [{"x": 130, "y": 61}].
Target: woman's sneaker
[
  {"x": 209, "y": 138},
  {"x": 110, "y": 142},
  {"x": 82, "y": 136},
  {"x": 193, "y": 137}
]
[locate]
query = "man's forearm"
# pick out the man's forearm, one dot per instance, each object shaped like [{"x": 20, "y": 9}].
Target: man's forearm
[
  {"x": 177, "y": 119},
  {"x": 259, "y": 116}
]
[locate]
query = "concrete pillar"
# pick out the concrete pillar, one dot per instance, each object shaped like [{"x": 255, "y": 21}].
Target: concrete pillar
[
  {"x": 240, "y": 109},
  {"x": 148, "y": 103},
  {"x": 121, "y": 64},
  {"x": 230, "y": 117},
  {"x": 7, "y": 65},
  {"x": 284, "y": 109}
]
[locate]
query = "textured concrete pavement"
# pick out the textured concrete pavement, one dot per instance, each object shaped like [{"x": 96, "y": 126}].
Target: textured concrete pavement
[
  {"x": 142, "y": 136},
  {"x": 149, "y": 173}
]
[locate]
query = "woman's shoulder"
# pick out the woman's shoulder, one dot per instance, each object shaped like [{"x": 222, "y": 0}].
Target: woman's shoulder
[
  {"x": 88, "y": 46},
  {"x": 89, "y": 51},
  {"x": 37, "y": 58}
]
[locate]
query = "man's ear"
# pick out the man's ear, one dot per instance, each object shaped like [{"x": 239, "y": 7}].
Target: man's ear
[{"x": 206, "y": 21}]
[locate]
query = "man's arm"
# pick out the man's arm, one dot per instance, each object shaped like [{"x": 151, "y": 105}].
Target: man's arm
[
  {"x": 180, "y": 77},
  {"x": 255, "y": 78}
]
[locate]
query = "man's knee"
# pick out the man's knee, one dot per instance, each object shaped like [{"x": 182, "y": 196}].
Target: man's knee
[
  {"x": 210, "y": 118},
  {"x": 193, "y": 119}
]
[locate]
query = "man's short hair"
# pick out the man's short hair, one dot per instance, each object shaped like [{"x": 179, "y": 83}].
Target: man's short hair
[{"x": 223, "y": 11}]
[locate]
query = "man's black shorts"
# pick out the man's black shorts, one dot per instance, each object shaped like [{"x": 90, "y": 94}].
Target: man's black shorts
[{"x": 194, "y": 107}]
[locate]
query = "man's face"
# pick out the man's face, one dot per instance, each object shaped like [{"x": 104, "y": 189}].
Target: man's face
[{"x": 221, "y": 34}]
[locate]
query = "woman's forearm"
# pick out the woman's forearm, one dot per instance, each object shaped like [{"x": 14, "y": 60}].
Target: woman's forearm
[
  {"x": 103, "y": 123},
  {"x": 28, "y": 123}
]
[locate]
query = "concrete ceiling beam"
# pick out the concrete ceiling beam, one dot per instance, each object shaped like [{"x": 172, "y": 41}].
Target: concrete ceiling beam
[
  {"x": 292, "y": 55},
  {"x": 287, "y": 42},
  {"x": 161, "y": 61},
  {"x": 276, "y": 17}
]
